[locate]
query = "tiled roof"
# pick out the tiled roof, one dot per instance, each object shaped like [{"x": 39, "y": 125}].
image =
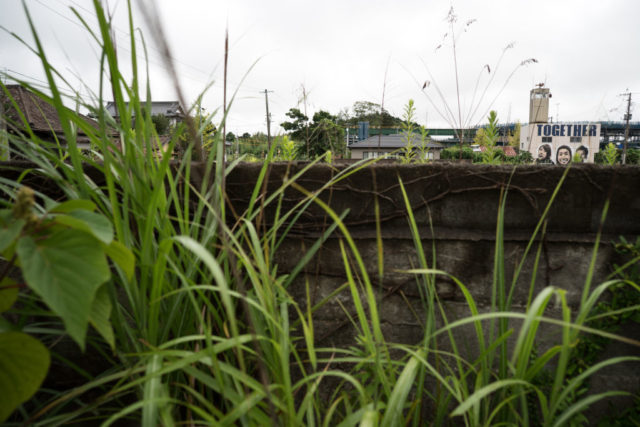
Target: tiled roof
[
  {"x": 391, "y": 141},
  {"x": 41, "y": 116}
]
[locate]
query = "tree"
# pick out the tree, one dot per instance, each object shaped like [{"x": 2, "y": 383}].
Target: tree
[
  {"x": 514, "y": 137},
  {"x": 326, "y": 135},
  {"x": 366, "y": 111},
  {"x": 205, "y": 129},
  {"x": 161, "y": 123},
  {"x": 479, "y": 137},
  {"x": 298, "y": 127},
  {"x": 321, "y": 135},
  {"x": 230, "y": 137}
]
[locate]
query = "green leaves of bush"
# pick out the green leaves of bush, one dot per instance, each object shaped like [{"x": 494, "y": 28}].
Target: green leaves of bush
[
  {"x": 65, "y": 269},
  {"x": 24, "y": 363},
  {"x": 63, "y": 258}
]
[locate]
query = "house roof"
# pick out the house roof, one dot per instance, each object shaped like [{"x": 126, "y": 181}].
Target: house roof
[
  {"x": 391, "y": 142},
  {"x": 169, "y": 109},
  {"x": 41, "y": 116}
]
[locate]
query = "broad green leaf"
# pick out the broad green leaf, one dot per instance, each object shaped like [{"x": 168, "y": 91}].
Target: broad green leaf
[
  {"x": 100, "y": 314},
  {"x": 9, "y": 234},
  {"x": 8, "y": 295},
  {"x": 90, "y": 222},
  {"x": 6, "y": 215},
  {"x": 24, "y": 363},
  {"x": 65, "y": 269},
  {"x": 6, "y": 326},
  {"x": 73, "y": 205},
  {"x": 369, "y": 419},
  {"x": 122, "y": 256}
]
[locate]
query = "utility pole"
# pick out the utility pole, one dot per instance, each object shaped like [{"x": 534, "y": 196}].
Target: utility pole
[
  {"x": 5, "y": 153},
  {"x": 266, "y": 101},
  {"x": 4, "y": 140},
  {"x": 627, "y": 118}
]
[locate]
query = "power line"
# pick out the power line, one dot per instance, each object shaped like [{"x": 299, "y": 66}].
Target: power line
[{"x": 151, "y": 60}]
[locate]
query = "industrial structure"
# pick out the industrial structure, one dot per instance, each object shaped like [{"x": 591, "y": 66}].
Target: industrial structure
[{"x": 557, "y": 143}]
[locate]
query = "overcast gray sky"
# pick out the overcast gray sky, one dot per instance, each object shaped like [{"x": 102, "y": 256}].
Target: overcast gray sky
[{"x": 343, "y": 51}]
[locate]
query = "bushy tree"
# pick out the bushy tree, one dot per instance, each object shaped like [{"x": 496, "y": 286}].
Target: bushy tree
[
  {"x": 524, "y": 157},
  {"x": 633, "y": 156},
  {"x": 367, "y": 111},
  {"x": 253, "y": 145},
  {"x": 205, "y": 130},
  {"x": 298, "y": 127},
  {"x": 514, "y": 137},
  {"x": 478, "y": 138},
  {"x": 453, "y": 153},
  {"x": 161, "y": 124},
  {"x": 326, "y": 135},
  {"x": 317, "y": 137}
]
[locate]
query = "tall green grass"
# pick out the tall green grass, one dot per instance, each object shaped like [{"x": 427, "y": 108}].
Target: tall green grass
[{"x": 206, "y": 330}]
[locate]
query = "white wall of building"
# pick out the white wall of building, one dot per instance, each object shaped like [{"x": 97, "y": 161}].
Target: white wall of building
[{"x": 552, "y": 141}]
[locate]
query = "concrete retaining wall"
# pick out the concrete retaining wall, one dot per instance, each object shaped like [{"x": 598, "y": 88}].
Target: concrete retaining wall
[{"x": 456, "y": 209}]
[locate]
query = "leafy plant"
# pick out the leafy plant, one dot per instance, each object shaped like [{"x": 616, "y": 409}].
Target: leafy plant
[
  {"x": 62, "y": 254},
  {"x": 610, "y": 154},
  {"x": 456, "y": 116},
  {"x": 489, "y": 138},
  {"x": 413, "y": 152},
  {"x": 288, "y": 148}
]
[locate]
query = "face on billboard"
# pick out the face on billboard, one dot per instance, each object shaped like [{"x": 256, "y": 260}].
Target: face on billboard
[
  {"x": 544, "y": 154},
  {"x": 563, "y": 155},
  {"x": 578, "y": 142},
  {"x": 583, "y": 152}
]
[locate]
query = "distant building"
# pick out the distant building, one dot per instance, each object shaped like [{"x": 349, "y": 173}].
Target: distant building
[
  {"x": 390, "y": 146},
  {"x": 556, "y": 143},
  {"x": 40, "y": 116},
  {"x": 170, "y": 109}
]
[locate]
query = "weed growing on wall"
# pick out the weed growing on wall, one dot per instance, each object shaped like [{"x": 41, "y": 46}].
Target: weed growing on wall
[
  {"x": 455, "y": 114},
  {"x": 490, "y": 137},
  {"x": 417, "y": 137}
]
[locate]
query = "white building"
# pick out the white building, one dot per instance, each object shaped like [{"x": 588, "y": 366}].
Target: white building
[{"x": 556, "y": 143}]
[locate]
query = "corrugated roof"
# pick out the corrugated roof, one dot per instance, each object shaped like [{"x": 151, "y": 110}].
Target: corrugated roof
[{"x": 391, "y": 141}]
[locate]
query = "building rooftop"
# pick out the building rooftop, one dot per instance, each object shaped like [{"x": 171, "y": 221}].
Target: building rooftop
[
  {"x": 170, "y": 109},
  {"x": 39, "y": 114},
  {"x": 391, "y": 142}
]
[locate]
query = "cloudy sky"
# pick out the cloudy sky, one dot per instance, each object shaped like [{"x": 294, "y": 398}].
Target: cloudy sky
[{"x": 338, "y": 52}]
